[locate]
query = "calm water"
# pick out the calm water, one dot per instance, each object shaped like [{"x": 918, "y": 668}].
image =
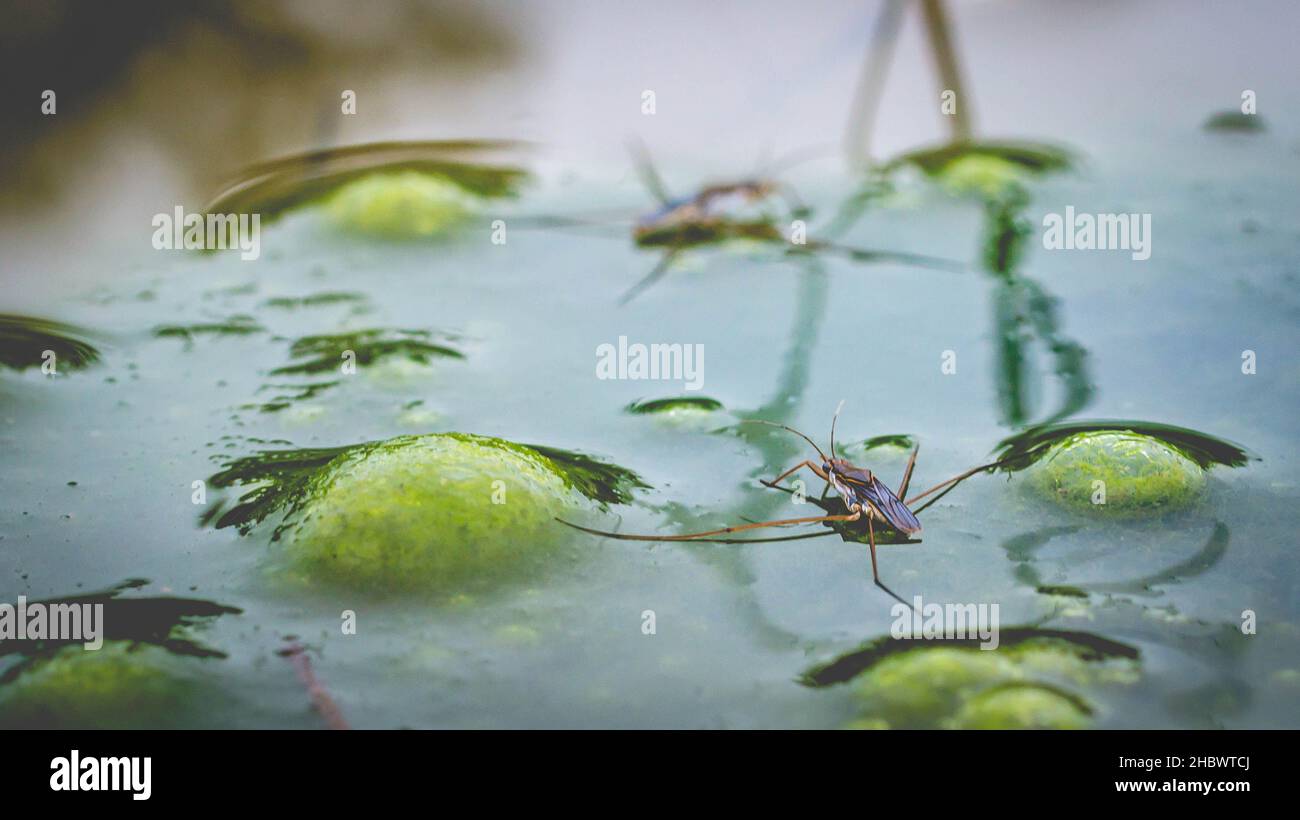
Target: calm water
[{"x": 736, "y": 626}]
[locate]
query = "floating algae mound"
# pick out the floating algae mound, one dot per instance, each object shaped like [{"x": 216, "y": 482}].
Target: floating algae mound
[
  {"x": 421, "y": 512},
  {"x": 1028, "y": 682},
  {"x": 1022, "y": 706},
  {"x": 142, "y": 675},
  {"x": 118, "y": 686},
  {"x": 1118, "y": 468},
  {"x": 1118, "y": 473},
  {"x": 681, "y": 412},
  {"x": 919, "y": 687},
  {"x": 400, "y": 205},
  {"x": 986, "y": 170},
  {"x": 391, "y": 190}
]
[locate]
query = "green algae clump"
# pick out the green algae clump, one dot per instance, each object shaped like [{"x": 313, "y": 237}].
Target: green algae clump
[
  {"x": 1022, "y": 707},
  {"x": 1026, "y": 683},
  {"x": 1118, "y": 473},
  {"x": 430, "y": 511},
  {"x": 911, "y": 688},
  {"x": 401, "y": 205},
  {"x": 682, "y": 412},
  {"x": 118, "y": 686},
  {"x": 984, "y": 177}
]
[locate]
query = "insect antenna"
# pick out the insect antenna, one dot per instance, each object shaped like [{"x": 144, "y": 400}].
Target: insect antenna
[
  {"x": 834, "y": 419},
  {"x": 789, "y": 429}
]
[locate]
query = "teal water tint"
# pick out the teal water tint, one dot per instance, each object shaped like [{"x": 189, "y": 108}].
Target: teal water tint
[{"x": 457, "y": 333}]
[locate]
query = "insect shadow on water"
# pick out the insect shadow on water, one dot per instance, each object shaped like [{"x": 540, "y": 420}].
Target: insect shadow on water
[
  {"x": 1021, "y": 549},
  {"x": 865, "y": 498}
]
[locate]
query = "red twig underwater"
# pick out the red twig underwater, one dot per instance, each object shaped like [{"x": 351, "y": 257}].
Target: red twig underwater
[{"x": 320, "y": 696}]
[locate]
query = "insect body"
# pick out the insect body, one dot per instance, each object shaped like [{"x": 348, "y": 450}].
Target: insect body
[
  {"x": 706, "y": 217},
  {"x": 861, "y": 490},
  {"x": 721, "y": 212},
  {"x": 711, "y": 202}
]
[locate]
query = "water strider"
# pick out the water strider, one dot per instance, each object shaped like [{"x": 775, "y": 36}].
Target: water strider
[
  {"x": 714, "y": 214},
  {"x": 865, "y": 497}
]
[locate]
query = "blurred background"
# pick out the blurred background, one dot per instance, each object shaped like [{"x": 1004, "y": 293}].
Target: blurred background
[{"x": 159, "y": 102}]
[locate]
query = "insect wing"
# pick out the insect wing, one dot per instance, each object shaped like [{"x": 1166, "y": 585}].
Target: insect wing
[
  {"x": 870, "y": 488},
  {"x": 903, "y": 519}
]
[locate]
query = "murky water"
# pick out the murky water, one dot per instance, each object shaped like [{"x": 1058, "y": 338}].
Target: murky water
[{"x": 785, "y": 338}]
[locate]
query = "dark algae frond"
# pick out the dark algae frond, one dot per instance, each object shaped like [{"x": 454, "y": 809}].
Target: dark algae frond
[
  {"x": 300, "y": 392},
  {"x": 1026, "y": 447},
  {"x": 599, "y": 481},
  {"x": 237, "y": 325},
  {"x": 321, "y": 354},
  {"x": 24, "y": 340},
  {"x": 314, "y": 300},
  {"x": 677, "y": 403},
  {"x": 283, "y": 478},
  {"x": 900, "y": 440},
  {"x": 1234, "y": 122}
]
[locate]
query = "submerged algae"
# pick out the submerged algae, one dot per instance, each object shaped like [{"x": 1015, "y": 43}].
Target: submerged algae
[
  {"x": 141, "y": 676},
  {"x": 1022, "y": 706},
  {"x": 118, "y": 686},
  {"x": 1014, "y": 687},
  {"x": 1026, "y": 682}
]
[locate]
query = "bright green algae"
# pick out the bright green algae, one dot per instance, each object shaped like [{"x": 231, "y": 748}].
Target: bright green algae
[
  {"x": 429, "y": 512},
  {"x": 1022, "y": 707},
  {"x": 1023, "y": 686},
  {"x": 1138, "y": 475},
  {"x": 400, "y": 205}
]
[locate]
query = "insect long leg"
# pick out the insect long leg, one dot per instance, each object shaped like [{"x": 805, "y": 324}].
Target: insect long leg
[
  {"x": 815, "y": 519},
  {"x": 875, "y": 573},
  {"x": 656, "y": 273},
  {"x": 952, "y": 482},
  {"x": 871, "y": 256},
  {"x": 818, "y": 470},
  {"x": 645, "y": 169},
  {"x": 871, "y": 537},
  {"x": 907, "y": 473}
]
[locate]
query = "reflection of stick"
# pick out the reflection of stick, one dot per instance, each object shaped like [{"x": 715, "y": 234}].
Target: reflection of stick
[
  {"x": 937, "y": 29},
  {"x": 866, "y": 99},
  {"x": 320, "y": 698}
]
